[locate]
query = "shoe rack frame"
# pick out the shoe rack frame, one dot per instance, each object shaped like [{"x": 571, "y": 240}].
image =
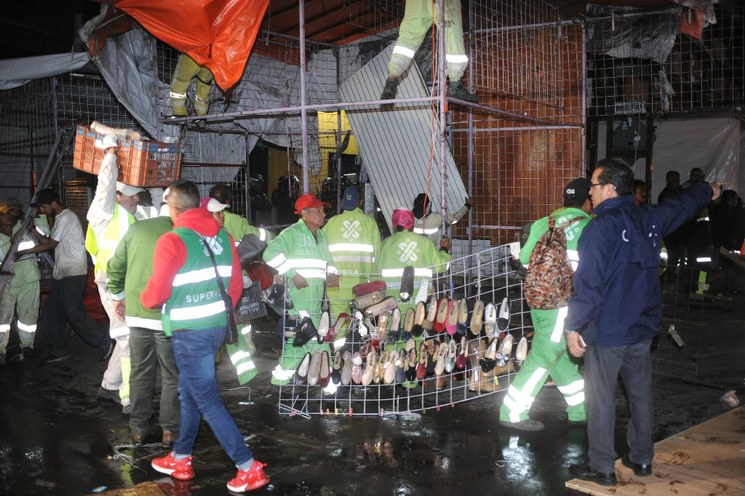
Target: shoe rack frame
[{"x": 487, "y": 275}]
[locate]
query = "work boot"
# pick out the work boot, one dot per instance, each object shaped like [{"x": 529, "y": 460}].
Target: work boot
[{"x": 457, "y": 90}]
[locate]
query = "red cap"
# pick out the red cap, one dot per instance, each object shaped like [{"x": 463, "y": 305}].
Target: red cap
[
  {"x": 309, "y": 201},
  {"x": 403, "y": 217}
]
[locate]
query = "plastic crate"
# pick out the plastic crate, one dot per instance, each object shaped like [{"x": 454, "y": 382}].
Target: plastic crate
[{"x": 141, "y": 163}]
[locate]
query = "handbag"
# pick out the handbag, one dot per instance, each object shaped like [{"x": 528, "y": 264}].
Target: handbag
[{"x": 232, "y": 335}]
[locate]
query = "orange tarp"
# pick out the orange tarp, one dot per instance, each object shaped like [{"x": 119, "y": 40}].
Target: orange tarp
[{"x": 218, "y": 34}]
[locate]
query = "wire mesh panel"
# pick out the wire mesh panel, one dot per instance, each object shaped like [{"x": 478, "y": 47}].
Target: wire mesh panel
[{"x": 439, "y": 377}]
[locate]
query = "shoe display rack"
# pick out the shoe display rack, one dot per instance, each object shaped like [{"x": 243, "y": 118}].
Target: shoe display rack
[{"x": 465, "y": 342}]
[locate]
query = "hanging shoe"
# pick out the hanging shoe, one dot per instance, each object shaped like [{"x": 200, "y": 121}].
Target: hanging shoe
[
  {"x": 387, "y": 305},
  {"x": 419, "y": 317},
  {"x": 314, "y": 371},
  {"x": 489, "y": 359},
  {"x": 366, "y": 300},
  {"x": 477, "y": 317},
  {"x": 407, "y": 284},
  {"x": 442, "y": 315},
  {"x": 457, "y": 90},
  {"x": 346, "y": 369},
  {"x": 521, "y": 353},
  {"x": 505, "y": 349},
  {"x": 451, "y": 323},
  {"x": 421, "y": 366},
  {"x": 301, "y": 374},
  {"x": 462, "y": 316},
  {"x": 389, "y": 372},
  {"x": 442, "y": 354},
  {"x": 323, "y": 326},
  {"x": 503, "y": 319},
  {"x": 324, "y": 371},
  {"x": 395, "y": 329},
  {"x": 490, "y": 320},
  {"x": 368, "y": 287},
  {"x": 462, "y": 359},
  {"x": 367, "y": 375},
  {"x": 429, "y": 320}
]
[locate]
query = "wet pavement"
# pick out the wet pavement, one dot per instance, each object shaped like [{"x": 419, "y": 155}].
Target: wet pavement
[{"x": 58, "y": 437}]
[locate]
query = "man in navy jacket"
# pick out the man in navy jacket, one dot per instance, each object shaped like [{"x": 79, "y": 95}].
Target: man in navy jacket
[{"x": 616, "y": 311}]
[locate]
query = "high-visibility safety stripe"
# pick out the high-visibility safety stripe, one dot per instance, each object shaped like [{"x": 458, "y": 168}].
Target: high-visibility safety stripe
[
  {"x": 246, "y": 330},
  {"x": 558, "y": 330},
  {"x": 26, "y": 327},
  {"x": 400, "y": 272},
  {"x": 173, "y": 94},
  {"x": 456, "y": 59},
  {"x": 402, "y": 50},
  {"x": 262, "y": 234},
  {"x": 277, "y": 261},
  {"x": 145, "y": 323},
  {"x": 239, "y": 355},
  {"x": 244, "y": 367},
  {"x": 25, "y": 245},
  {"x": 363, "y": 247},
  {"x": 519, "y": 401},
  {"x": 4, "y": 327},
  {"x": 703, "y": 259},
  {"x": 702, "y": 219},
  {"x": 575, "y": 399},
  {"x": 354, "y": 258},
  {"x": 572, "y": 387},
  {"x": 426, "y": 231},
  {"x": 201, "y": 275},
  {"x": 198, "y": 311}
]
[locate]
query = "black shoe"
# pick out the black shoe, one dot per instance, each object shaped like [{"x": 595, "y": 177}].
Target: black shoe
[
  {"x": 52, "y": 358},
  {"x": 640, "y": 469},
  {"x": 18, "y": 357},
  {"x": 584, "y": 472},
  {"x": 390, "y": 89},
  {"x": 28, "y": 352},
  {"x": 109, "y": 394},
  {"x": 457, "y": 90},
  {"x": 528, "y": 425},
  {"x": 305, "y": 332},
  {"x": 107, "y": 350}
]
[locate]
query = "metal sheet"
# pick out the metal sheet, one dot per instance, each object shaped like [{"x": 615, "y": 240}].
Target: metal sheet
[{"x": 398, "y": 146}]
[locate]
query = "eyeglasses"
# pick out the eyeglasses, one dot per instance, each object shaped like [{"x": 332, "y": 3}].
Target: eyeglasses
[{"x": 592, "y": 185}]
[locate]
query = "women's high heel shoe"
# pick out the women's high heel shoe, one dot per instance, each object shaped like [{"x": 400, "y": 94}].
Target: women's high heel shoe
[
  {"x": 490, "y": 320},
  {"x": 503, "y": 319},
  {"x": 521, "y": 352},
  {"x": 489, "y": 359},
  {"x": 301, "y": 373}
]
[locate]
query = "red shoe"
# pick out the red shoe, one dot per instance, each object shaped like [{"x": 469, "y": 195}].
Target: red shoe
[
  {"x": 178, "y": 469},
  {"x": 248, "y": 480}
]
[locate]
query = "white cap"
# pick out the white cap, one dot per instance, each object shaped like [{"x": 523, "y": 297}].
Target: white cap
[
  {"x": 127, "y": 190},
  {"x": 215, "y": 206}
]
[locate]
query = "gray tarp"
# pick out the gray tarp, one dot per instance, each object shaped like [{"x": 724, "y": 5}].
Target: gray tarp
[{"x": 17, "y": 72}]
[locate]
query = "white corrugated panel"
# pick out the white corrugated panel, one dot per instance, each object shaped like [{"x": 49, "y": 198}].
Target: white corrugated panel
[{"x": 399, "y": 146}]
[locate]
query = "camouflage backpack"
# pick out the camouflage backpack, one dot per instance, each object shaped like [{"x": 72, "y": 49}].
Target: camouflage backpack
[{"x": 549, "y": 279}]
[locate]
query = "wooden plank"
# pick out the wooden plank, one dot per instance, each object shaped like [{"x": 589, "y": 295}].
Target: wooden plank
[{"x": 706, "y": 459}]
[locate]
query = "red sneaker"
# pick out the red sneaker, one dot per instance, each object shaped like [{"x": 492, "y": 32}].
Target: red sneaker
[
  {"x": 248, "y": 480},
  {"x": 178, "y": 469}
]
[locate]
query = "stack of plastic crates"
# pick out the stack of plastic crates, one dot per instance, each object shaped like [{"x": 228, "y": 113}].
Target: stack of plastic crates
[{"x": 474, "y": 360}]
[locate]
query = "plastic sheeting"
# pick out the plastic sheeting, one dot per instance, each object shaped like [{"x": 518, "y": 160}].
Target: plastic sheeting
[
  {"x": 711, "y": 144},
  {"x": 649, "y": 36},
  {"x": 17, "y": 72},
  {"x": 218, "y": 34}
]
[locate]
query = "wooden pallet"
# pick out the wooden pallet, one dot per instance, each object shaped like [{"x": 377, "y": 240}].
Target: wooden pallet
[{"x": 707, "y": 459}]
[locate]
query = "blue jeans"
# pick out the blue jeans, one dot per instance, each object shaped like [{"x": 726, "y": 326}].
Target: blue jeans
[{"x": 194, "y": 351}]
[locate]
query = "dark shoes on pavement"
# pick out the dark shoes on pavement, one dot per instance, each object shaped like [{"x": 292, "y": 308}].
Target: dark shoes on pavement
[
  {"x": 585, "y": 473},
  {"x": 169, "y": 437},
  {"x": 528, "y": 425},
  {"x": 390, "y": 89},
  {"x": 640, "y": 469}
]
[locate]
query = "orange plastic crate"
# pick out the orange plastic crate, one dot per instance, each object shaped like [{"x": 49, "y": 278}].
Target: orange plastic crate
[{"x": 141, "y": 163}]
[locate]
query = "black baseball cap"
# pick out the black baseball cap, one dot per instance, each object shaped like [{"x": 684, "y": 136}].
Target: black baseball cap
[{"x": 577, "y": 191}]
